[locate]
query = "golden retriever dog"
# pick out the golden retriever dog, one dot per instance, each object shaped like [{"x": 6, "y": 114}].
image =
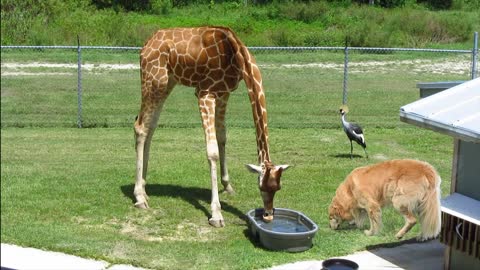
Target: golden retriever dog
[{"x": 411, "y": 186}]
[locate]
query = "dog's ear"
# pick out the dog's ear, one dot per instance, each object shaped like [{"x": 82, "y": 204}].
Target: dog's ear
[
  {"x": 338, "y": 210},
  {"x": 333, "y": 209}
]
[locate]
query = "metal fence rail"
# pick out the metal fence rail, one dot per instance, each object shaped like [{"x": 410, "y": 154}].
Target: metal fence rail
[{"x": 346, "y": 51}]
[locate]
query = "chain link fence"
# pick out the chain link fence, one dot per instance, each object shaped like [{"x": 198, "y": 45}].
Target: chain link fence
[{"x": 98, "y": 86}]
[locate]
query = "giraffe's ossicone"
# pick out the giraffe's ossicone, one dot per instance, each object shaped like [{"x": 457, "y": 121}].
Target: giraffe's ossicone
[{"x": 213, "y": 61}]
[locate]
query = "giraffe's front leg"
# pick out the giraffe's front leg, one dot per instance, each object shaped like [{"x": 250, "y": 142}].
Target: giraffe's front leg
[
  {"x": 206, "y": 104},
  {"x": 145, "y": 125},
  {"x": 217, "y": 219},
  {"x": 139, "y": 190}
]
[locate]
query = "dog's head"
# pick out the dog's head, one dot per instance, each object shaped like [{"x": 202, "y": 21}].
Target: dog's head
[{"x": 337, "y": 213}]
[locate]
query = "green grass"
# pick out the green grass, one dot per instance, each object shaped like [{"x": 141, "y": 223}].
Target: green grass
[
  {"x": 70, "y": 190},
  {"x": 111, "y": 98}
]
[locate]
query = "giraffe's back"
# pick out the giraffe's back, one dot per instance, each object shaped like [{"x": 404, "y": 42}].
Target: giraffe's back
[{"x": 200, "y": 57}]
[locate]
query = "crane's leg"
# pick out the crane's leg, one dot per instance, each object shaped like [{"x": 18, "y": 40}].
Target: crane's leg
[
  {"x": 351, "y": 149},
  {"x": 365, "y": 149}
]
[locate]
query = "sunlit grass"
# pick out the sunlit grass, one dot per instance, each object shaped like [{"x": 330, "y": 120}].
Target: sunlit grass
[{"x": 71, "y": 190}]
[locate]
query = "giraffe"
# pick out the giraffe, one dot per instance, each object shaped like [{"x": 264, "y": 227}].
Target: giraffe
[{"x": 213, "y": 61}]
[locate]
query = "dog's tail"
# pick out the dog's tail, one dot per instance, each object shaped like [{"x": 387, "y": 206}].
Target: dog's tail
[{"x": 429, "y": 209}]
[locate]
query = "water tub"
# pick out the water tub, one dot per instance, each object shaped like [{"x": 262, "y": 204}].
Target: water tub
[{"x": 290, "y": 230}]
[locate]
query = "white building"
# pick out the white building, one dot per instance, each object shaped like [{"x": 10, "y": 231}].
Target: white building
[{"x": 456, "y": 112}]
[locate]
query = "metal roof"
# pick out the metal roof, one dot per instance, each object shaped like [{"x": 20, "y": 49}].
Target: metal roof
[
  {"x": 455, "y": 111},
  {"x": 438, "y": 85}
]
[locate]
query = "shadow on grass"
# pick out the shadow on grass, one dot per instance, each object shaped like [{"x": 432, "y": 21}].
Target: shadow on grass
[
  {"x": 192, "y": 195},
  {"x": 254, "y": 239},
  {"x": 347, "y": 156}
]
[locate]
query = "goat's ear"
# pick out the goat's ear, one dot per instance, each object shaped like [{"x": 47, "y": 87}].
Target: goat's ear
[
  {"x": 283, "y": 167},
  {"x": 254, "y": 168}
]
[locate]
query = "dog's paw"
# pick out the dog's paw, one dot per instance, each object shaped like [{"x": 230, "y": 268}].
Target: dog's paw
[
  {"x": 368, "y": 232},
  {"x": 422, "y": 238}
]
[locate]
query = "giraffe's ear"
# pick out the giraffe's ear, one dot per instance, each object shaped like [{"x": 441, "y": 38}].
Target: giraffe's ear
[
  {"x": 283, "y": 167},
  {"x": 254, "y": 168}
]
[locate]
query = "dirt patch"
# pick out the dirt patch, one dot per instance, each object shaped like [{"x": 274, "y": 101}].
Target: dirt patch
[
  {"x": 48, "y": 69},
  {"x": 152, "y": 227},
  {"x": 451, "y": 65},
  {"x": 23, "y": 73}
]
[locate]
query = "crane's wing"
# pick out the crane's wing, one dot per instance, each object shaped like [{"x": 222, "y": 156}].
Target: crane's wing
[{"x": 356, "y": 128}]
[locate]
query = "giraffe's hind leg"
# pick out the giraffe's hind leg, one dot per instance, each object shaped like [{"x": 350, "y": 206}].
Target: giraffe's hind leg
[
  {"x": 154, "y": 93},
  {"x": 220, "y": 110},
  {"x": 206, "y": 104}
]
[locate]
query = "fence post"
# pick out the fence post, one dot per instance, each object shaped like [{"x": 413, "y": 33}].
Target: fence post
[
  {"x": 474, "y": 55},
  {"x": 345, "y": 73},
  {"x": 79, "y": 84}
]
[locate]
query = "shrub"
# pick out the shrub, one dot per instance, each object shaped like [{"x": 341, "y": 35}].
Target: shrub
[
  {"x": 304, "y": 12},
  {"x": 438, "y": 4},
  {"x": 161, "y": 7},
  {"x": 466, "y": 4},
  {"x": 391, "y": 3},
  {"x": 328, "y": 37},
  {"x": 283, "y": 37}
]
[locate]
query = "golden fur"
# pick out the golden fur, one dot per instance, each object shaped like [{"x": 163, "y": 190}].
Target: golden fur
[{"x": 411, "y": 186}]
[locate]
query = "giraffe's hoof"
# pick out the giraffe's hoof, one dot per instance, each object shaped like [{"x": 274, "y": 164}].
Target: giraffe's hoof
[
  {"x": 399, "y": 235},
  {"x": 217, "y": 223},
  {"x": 141, "y": 205},
  {"x": 229, "y": 190}
]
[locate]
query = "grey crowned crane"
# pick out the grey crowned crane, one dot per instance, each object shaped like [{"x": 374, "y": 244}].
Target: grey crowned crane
[{"x": 354, "y": 132}]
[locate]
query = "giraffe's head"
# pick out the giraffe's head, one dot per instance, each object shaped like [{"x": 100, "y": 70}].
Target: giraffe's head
[{"x": 268, "y": 183}]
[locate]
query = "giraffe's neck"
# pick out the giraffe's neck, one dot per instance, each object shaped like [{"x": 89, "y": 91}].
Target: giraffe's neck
[
  {"x": 262, "y": 142},
  {"x": 259, "y": 109},
  {"x": 253, "y": 80}
]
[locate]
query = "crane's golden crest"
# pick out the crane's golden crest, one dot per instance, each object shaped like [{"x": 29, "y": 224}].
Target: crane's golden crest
[{"x": 344, "y": 108}]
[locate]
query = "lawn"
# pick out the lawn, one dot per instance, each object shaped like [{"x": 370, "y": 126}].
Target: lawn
[{"x": 70, "y": 190}]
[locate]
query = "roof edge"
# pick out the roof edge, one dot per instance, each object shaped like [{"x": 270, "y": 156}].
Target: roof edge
[{"x": 454, "y": 131}]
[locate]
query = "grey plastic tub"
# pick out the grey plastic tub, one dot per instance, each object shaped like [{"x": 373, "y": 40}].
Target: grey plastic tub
[{"x": 290, "y": 230}]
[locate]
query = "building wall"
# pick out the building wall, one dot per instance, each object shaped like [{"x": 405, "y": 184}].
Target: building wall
[
  {"x": 466, "y": 181},
  {"x": 468, "y": 170},
  {"x": 459, "y": 260}
]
